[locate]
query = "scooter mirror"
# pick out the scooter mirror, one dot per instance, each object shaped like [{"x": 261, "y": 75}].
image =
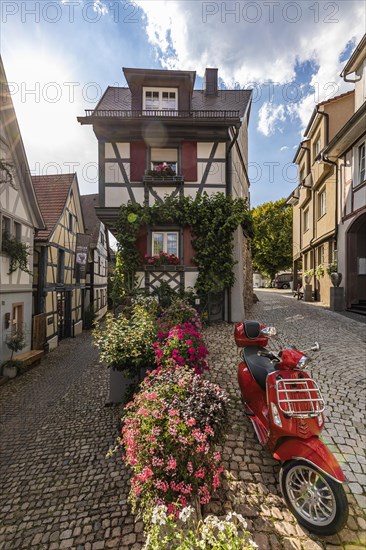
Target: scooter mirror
[
  {"x": 315, "y": 347},
  {"x": 268, "y": 332}
]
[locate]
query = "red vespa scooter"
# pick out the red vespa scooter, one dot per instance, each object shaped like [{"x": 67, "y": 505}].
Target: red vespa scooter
[{"x": 286, "y": 408}]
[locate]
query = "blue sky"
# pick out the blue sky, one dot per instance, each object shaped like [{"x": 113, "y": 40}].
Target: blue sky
[{"x": 60, "y": 55}]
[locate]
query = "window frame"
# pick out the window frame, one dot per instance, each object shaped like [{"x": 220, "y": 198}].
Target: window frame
[
  {"x": 322, "y": 203},
  {"x": 321, "y": 254},
  {"x": 160, "y": 91},
  {"x": 306, "y": 220},
  {"x": 316, "y": 147},
  {"x": 60, "y": 275},
  {"x": 165, "y": 233},
  {"x": 358, "y": 170}
]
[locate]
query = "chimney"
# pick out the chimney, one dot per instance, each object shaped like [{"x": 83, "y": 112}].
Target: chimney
[{"x": 210, "y": 82}]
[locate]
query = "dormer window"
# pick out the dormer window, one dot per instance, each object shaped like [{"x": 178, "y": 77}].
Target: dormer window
[{"x": 160, "y": 99}]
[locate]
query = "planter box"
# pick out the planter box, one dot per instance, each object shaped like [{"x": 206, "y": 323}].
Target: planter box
[
  {"x": 157, "y": 268},
  {"x": 120, "y": 383}
]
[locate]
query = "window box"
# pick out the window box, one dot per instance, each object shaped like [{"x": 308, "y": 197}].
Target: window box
[{"x": 150, "y": 267}]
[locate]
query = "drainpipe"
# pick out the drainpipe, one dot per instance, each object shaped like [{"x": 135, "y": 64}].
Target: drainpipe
[
  {"x": 326, "y": 115},
  {"x": 229, "y": 192},
  {"x": 327, "y": 161}
]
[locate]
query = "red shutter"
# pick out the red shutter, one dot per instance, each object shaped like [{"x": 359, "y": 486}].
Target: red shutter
[
  {"x": 189, "y": 160},
  {"x": 138, "y": 160},
  {"x": 141, "y": 242}
]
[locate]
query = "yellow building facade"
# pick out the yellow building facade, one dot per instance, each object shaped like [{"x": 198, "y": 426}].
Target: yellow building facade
[
  {"x": 314, "y": 201},
  {"x": 60, "y": 259}
]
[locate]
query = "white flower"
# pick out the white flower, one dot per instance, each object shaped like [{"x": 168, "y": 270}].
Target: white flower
[
  {"x": 254, "y": 544},
  {"x": 159, "y": 515},
  {"x": 185, "y": 513}
]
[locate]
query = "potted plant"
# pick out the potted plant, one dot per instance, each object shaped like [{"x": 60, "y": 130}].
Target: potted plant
[
  {"x": 125, "y": 343},
  {"x": 308, "y": 274},
  {"x": 162, "y": 170},
  {"x": 320, "y": 270},
  {"x": 15, "y": 342}
]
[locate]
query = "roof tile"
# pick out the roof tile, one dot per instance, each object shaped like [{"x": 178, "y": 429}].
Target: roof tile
[{"x": 52, "y": 192}]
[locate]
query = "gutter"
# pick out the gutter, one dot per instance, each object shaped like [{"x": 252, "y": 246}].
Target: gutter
[{"x": 326, "y": 115}]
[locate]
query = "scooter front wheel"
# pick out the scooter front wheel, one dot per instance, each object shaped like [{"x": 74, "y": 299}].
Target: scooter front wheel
[{"x": 317, "y": 501}]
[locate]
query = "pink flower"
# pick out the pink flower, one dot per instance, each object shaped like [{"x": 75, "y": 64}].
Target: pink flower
[
  {"x": 200, "y": 473},
  {"x": 171, "y": 464},
  {"x": 191, "y": 422}
]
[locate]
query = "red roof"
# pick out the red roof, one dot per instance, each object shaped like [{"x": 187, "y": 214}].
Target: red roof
[{"x": 52, "y": 192}]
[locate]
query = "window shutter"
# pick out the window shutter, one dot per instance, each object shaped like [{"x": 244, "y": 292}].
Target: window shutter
[
  {"x": 189, "y": 160},
  {"x": 138, "y": 160}
]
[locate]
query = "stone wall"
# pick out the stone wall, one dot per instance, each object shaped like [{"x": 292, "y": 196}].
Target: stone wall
[{"x": 247, "y": 275}]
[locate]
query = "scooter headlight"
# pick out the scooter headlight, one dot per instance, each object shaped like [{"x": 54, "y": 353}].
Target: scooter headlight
[
  {"x": 276, "y": 415},
  {"x": 303, "y": 362}
]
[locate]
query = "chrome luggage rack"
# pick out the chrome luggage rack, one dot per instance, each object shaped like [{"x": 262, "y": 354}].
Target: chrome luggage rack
[{"x": 299, "y": 397}]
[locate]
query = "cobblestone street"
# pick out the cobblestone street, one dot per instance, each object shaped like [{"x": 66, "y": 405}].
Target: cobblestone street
[{"x": 59, "y": 491}]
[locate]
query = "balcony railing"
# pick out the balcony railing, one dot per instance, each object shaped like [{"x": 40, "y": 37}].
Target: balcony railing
[{"x": 110, "y": 113}]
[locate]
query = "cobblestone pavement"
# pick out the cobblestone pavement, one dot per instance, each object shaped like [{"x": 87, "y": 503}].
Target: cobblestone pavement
[
  {"x": 59, "y": 491},
  {"x": 252, "y": 482}
]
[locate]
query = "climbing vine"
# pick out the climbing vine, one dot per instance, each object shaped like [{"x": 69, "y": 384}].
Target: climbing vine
[
  {"x": 18, "y": 253},
  {"x": 212, "y": 220}
]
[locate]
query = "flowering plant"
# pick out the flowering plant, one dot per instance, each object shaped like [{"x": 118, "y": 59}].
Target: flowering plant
[
  {"x": 183, "y": 345},
  {"x": 162, "y": 170},
  {"x": 212, "y": 533},
  {"x": 163, "y": 258},
  {"x": 127, "y": 342},
  {"x": 171, "y": 449},
  {"x": 179, "y": 312}
]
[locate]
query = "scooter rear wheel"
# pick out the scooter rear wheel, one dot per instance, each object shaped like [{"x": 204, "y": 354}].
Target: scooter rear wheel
[{"x": 317, "y": 501}]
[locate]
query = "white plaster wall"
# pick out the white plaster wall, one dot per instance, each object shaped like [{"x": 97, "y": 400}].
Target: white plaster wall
[
  {"x": 113, "y": 172},
  {"x": 123, "y": 149}
]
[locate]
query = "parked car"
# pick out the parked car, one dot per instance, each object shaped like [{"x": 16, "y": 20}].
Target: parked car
[{"x": 284, "y": 280}]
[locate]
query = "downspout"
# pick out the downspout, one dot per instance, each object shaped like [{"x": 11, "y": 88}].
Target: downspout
[
  {"x": 326, "y": 115},
  {"x": 327, "y": 161},
  {"x": 229, "y": 192}
]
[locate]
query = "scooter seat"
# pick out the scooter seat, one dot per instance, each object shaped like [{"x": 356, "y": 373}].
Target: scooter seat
[{"x": 259, "y": 367}]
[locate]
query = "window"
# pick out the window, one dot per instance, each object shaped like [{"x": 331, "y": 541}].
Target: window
[
  {"x": 302, "y": 174},
  {"x": 6, "y": 227},
  {"x": 332, "y": 253},
  {"x": 321, "y": 203},
  {"x": 160, "y": 99},
  {"x": 70, "y": 222},
  {"x": 161, "y": 159},
  {"x": 321, "y": 255},
  {"x": 361, "y": 172},
  {"x": 18, "y": 231},
  {"x": 165, "y": 241},
  {"x": 316, "y": 148},
  {"x": 305, "y": 259},
  {"x": 306, "y": 219},
  {"x": 60, "y": 266},
  {"x": 18, "y": 318}
]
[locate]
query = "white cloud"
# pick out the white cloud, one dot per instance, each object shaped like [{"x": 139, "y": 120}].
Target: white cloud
[
  {"x": 99, "y": 7},
  {"x": 268, "y": 118},
  {"x": 258, "y": 42},
  {"x": 284, "y": 148}
]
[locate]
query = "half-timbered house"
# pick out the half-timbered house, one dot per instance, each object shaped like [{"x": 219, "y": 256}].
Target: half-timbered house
[
  {"x": 160, "y": 136},
  {"x": 97, "y": 267},
  {"x": 60, "y": 258},
  {"x": 19, "y": 216}
]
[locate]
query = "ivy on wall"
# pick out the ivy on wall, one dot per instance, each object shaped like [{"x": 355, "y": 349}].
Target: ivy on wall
[{"x": 212, "y": 220}]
